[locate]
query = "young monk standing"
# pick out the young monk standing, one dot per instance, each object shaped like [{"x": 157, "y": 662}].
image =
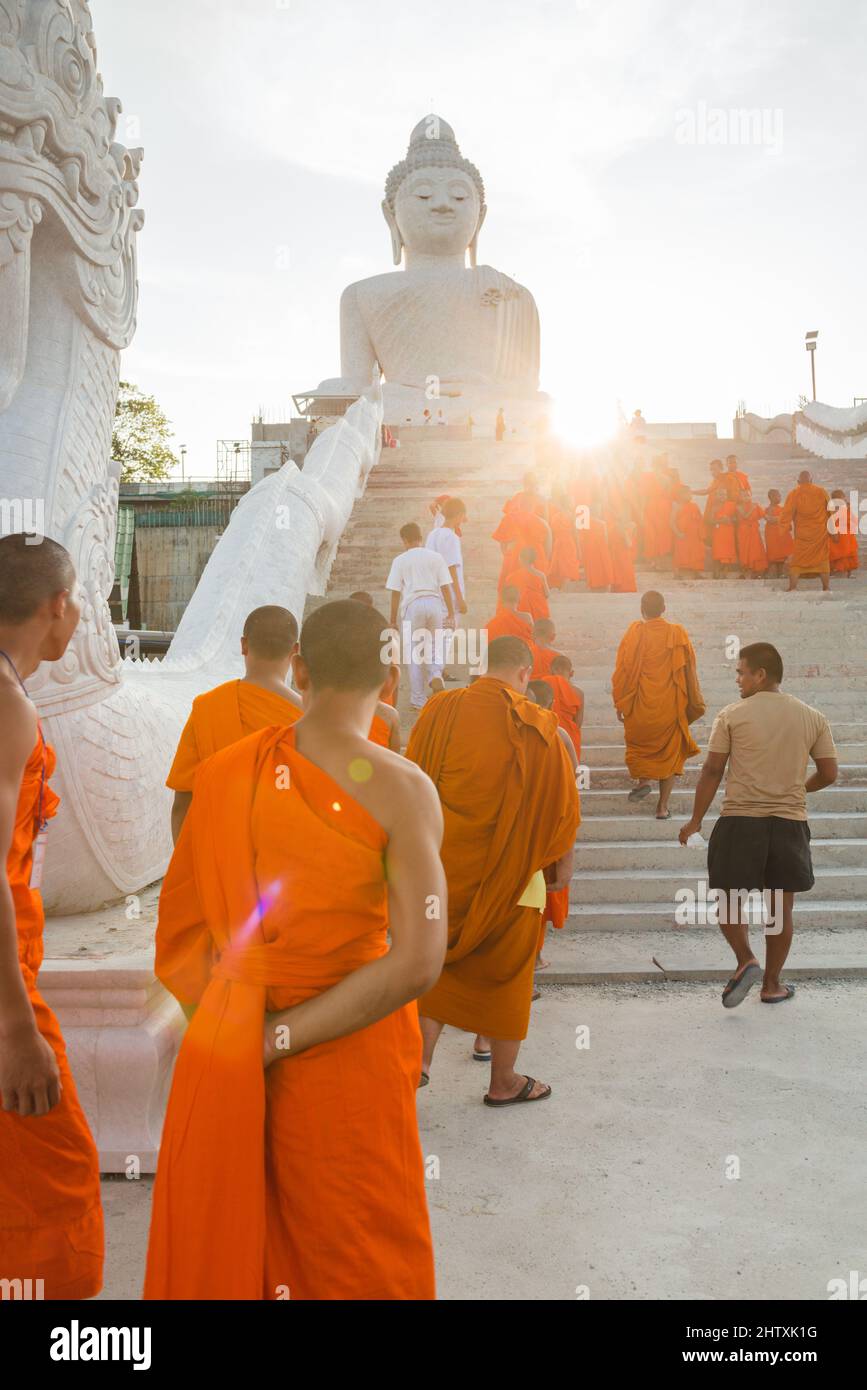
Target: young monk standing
[
  {"x": 531, "y": 584},
  {"x": 724, "y": 550},
  {"x": 843, "y": 538},
  {"x": 806, "y": 510},
  {"x": 290, "y": 1164},
  {"x": 509, "y": 621},
  {"x": 501, "y": 769},
  {"x": 751, "y": 548},
  {"x": 657, "y": 696},
  {"x": 50, "y": 1210},
  {"x": 778, "y": 539},
  {"x": 688, "y": 537}
]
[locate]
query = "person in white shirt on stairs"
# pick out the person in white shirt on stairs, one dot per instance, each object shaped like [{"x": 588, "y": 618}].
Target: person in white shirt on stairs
[{"x": 421, "y": 595}]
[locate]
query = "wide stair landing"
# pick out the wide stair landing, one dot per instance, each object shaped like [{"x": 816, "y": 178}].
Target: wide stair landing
[{"x": 630, "y": 868}]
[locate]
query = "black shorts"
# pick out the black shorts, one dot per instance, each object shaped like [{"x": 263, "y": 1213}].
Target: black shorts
[{"x": 758, "y": 852}]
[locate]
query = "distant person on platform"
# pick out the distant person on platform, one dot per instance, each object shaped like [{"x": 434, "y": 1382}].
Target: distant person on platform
[
  {"x": 500, "y": 426},
  {"x": 638, "y": 425},
  {"x": 761, "y": 841},
  {"x": 446, "y": 541},
  {"x": 420, "y": 585}
]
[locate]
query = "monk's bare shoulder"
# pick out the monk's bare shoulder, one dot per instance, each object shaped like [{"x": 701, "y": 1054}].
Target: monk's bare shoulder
[
  {"x": 19, "y": 723},
  {"x": 398, "y": 790}
]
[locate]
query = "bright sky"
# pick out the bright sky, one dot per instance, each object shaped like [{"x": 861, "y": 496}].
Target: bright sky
[{"x": 676, "y": 266}]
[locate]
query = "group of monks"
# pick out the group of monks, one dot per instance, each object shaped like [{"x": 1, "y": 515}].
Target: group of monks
[
  {"x": 329, "y": 907},
  {"x": 602, "y": 524}
]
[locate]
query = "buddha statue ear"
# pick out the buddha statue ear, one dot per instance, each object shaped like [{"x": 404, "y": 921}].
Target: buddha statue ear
[
  {"x": 474, "y": 244},
  {"x": 396, "y": 238}
]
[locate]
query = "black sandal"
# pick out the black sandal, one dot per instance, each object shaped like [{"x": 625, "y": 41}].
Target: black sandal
[{"x": 523, "y": 1097}]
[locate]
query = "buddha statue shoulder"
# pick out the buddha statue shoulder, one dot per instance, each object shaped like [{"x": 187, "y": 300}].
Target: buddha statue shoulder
[{"x": 439, "y": 329}]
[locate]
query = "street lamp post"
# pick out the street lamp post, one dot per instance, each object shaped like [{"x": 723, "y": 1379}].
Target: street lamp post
[
  {"x": 810, "y": 343},
  {"x": 183, "y": 461}
]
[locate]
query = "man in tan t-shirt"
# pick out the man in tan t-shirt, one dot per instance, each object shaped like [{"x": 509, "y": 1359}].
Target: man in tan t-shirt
[{"x": 761, "y": 842}]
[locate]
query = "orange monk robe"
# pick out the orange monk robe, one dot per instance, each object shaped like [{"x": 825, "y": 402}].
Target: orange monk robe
[
  {"x": 723, "y": 545},
  {"x": 843, "y": 547},
  {"x": 510, "y": 807},
  {"x": 806, "y": 508},
  {"x": 542, "y": 658},
  {"x": 622, "y": 555},
  {"x": 50, "y": 1210},
  {"x": 521, "y": 531},
  {"x": 230, "y": 712},
  {"x": 658, "y": 535},
  {"x": 689, "y": 552},
  {"x": 556, "y": 911},
  {"x": 532, "y": 598},
  {"x": 507, "y": 623},
  {"x": 725, "y": 486},
  {"x": 654, "y": 685},
  {"x": 565, "y": 564},
  {"x": 742, "y": 480},
  {"x": 751, "y": 547},
  {"x": 778, "y": 539},
  {"x": 525, "y": 501},
  {"x": 305, "y": 1181},
  {"x": 567, "y": 706},
  {"x": 595, "y": 555}
]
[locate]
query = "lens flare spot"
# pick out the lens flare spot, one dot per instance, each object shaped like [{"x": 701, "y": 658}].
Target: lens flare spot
[
  {"x": 360, "y": 770},
  {"x": 336, "y": 806}
]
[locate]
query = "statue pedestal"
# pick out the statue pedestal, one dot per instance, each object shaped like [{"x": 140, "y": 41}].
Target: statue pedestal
[{"x": 122, "y": 1029}]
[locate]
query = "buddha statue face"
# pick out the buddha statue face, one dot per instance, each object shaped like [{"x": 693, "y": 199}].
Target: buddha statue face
[{"x": 436, "y": 212}]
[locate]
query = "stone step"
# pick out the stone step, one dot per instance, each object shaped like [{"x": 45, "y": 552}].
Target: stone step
[
  {"x": 700, "y": 953},
  {"x": 593, "y": 887},
  {"x": 612, "y": 777},
  {"x": 637, "y": 830},
  {"x": 613, "y": 801},
  {"x": 618, "y": 856},
  {"x": 810, "y": 913}
]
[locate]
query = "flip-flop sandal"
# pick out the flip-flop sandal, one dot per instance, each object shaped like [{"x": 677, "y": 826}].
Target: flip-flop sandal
[
  {"x": 782, "y": 998},
  {"x": 423, "y": 1080},
  {"x": 481, "y": 1056},
  {"x": 523, "y": 1097},
  {"x": 639, "y": 793},
  {"x": 667, "y": 816},
  {"x": 739, "y": 986},
  {"x": 537, "y": 994}
]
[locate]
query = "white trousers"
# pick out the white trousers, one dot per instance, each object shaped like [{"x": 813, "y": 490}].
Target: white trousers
[{"x": 423, "y": 614}]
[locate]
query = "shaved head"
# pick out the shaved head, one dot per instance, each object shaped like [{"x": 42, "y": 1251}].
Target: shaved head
[
  {"x": 805, "y": 477},
  {"x": 270, "y": 633},
  {"x": 341, "y": 646},
  {"x": 362, "y": 596},
  {"x": 652, "y": 604},
  {"x": 561, "y": 666},
  {"x": 541, "y": 693},
  {"x": 31, "y": 575},
  {"x": 544, "y": 628},
  {"x": 508, "y": 654}
]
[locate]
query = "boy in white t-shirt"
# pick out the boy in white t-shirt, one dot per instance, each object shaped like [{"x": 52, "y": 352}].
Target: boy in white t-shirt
[{"x": 421, "y": 595}]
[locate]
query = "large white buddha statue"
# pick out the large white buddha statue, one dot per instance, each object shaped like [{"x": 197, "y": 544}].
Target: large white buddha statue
[{"x": 451, "y": 338}]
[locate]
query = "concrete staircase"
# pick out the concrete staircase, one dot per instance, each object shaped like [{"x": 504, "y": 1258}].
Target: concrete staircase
[{"x": 629, "y": 866}]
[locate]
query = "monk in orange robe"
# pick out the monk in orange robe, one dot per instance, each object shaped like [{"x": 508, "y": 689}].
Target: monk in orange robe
[
  {"x": 544, "y": 633},
  {"x": 621, "y": 534},
  {"x": 532, "y": 586},
  {"x": 688, "y": 536},
  {"x": 511, "y": 811},
  {"x": 290, "y": 1163},
  {"x": 751, "y": 548},
  {"x": 556, "y": 909},
  {"x": 568, "y": 702},
  {"x": 724, "y": 553},
  {"x": 778, "y": 539},
  {"x": 843, "y": 540},
  {"x": 51, "y": 1229},
  {"x": 529, "y": 499},
  {"x": 237, "y": 708},
  {"x": 518, "y": 530},
  {"x": 565, "y": 566},
  {"x": 806, "y": 509},
  {"x": 741, "y": 479},
  {"x": 655, "y": 489},
  {"x": 595, "y": 553},
  {"x": 724, "y": 487},
  {"x": 657, "y": 696},
  {"x": 509, "y": 621}
]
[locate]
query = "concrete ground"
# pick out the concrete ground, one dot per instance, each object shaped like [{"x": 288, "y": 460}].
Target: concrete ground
[{"x": 618, "y": 1184}]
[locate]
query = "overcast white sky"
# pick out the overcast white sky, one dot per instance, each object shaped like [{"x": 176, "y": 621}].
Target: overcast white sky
[{"x": 679, "y": 277}]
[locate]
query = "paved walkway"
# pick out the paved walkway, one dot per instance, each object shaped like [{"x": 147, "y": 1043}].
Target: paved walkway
[{"x": 618, "y": 1182}]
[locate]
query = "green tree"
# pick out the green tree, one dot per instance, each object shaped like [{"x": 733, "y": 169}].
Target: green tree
[{"x": 140, "y": 439}]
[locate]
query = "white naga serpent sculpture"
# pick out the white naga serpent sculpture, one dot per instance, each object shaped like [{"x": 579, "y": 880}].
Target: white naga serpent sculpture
[{"x": 68, "y": 294}]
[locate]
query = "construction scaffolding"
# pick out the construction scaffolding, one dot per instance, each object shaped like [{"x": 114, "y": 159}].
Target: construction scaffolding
[{"x": 234, "y": 458}]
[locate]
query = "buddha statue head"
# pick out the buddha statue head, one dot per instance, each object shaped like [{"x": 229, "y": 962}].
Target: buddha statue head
[{"x": 434, "y": 199}]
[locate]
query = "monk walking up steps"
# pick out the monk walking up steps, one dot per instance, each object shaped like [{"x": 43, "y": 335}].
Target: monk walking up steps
[
  {"x": 761, "y": 842},
  {"x": 50, "y": 1210},
  {"x": 657, "y": 696},
  {"x": 510, "y": 805},
  {"x": 778, "y": 539},
  {"x": 290, "y": 1164},
  {"x": 509, "y": 621}
]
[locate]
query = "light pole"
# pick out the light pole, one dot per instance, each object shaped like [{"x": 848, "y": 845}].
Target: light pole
[
  {"x": 810, "y": 343},
  {"x": 183, "y": 460}
]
